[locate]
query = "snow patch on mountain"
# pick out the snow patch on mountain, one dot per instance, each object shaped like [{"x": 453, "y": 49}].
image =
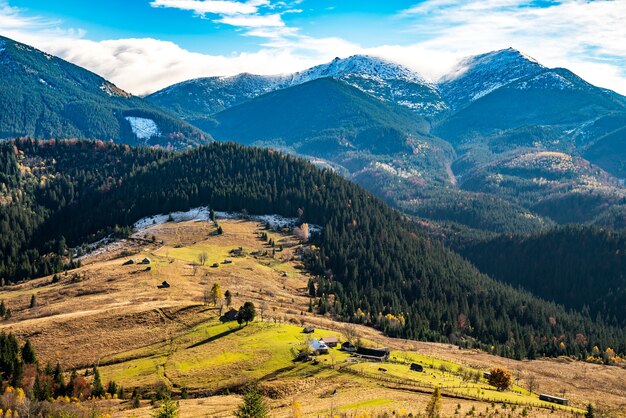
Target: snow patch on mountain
[
  {"x": 548, "y": 81},
  {"x": 382, "y": 79},
  {"x": 203, "y": 213},
  {"x": 476, "y": 76},
  {"x": 142, "y": 127}
]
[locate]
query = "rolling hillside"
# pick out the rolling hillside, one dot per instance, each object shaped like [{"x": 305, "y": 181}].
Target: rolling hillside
[{"x": 151, "y": 340}]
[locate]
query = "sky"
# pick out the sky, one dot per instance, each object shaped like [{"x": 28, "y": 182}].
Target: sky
[{"x": 145, "y": 45}]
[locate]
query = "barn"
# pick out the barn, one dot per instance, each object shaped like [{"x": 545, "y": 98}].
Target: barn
[
  {"x": 377, "y": 354},
  {"x": 553, "y": 399}
]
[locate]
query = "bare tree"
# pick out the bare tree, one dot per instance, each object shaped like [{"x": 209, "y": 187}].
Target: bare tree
[
  {"x": 194, "y": 269},
  {"x": 203, "y": 257},
  {"x": 350, "y": 333},
  {"x": 531, "y": 383},
  {"x": 302, "y": 232},
  {"x": 262, "y": 309},
  {"x": 207, "y": 295}
]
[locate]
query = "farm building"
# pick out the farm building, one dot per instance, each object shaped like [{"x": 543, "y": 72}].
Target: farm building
[
  {"x": 377, "y": 354},
  {"x": 230, "y": 315},
  {"x": 308, "y": 330},
  {"x": 128, "y": 262},
  {"x": 331, "y": 341},
  {"x": 348, "y": 346},
  {"x": 164, "y": 285},
  {"x": 145, "y": 261},
  {"x": 318, "y": 347},
  {"x": 416, "y": 367},
  {"x": 553, "y": 399}
]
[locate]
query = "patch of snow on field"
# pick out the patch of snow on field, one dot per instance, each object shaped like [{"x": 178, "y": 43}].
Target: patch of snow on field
[
  {"x": 142, "y": 127},
  {"x": 105, "y": 245},
  {"x": 203, "y": 214}
]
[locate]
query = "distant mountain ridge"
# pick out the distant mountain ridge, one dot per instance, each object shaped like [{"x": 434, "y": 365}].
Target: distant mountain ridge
[
  {"x": 502, "y": 143},
  {"x": 380, "y": 78},
  {"x": 46, "y": 97}
]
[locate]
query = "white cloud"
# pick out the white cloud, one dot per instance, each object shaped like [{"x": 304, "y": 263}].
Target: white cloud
[
  {"x": 202, "y": 7},
  {"x": 253, "y": 21}
]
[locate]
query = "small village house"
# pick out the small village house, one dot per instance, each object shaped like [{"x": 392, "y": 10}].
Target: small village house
[
  {"x": 318, "y": 347},
  {"x": 331, "y": 341}
]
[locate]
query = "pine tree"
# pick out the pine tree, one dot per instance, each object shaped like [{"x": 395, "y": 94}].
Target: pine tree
[
  {"x": 253, "y": 405},
  {"x": 168, "y": 409},
  {"x": 590, "y": 411},
  {"x": 228, "y": 297},
  {"x": 433, "y": 409},
  {"x": 33, "y": 301},
  {"x": 28, "y": 353},
  {"x": 97, "y": 390},
  {"x": 59, "y": 381}
]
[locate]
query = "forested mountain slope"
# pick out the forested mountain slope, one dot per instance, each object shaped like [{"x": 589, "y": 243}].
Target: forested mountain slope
[
  {"x": 580, "y": 267},
  {"x": 43, "y": 96},
  {"x": 381, "y": 146},
  {"x": 381, "y": 270}
]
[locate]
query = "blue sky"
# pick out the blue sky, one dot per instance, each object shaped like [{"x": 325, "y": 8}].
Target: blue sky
[{"x": 144, "y": 45}]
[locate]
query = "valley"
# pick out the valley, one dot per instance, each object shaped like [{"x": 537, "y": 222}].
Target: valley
[{"x": 116, "y": 316}]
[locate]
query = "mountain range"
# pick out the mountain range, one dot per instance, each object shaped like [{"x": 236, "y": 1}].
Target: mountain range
[
  {"x": 501, "y": 143},
  {"x": 500, "y": 134}
]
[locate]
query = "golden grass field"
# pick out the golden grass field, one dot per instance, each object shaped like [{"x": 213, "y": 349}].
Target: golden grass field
[{"x": 140, "y": 335}]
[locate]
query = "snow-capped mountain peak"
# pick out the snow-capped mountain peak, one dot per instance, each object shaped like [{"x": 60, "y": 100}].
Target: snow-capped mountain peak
[
  {"x": 382, "y": 79},
  {"x": 359, "y": 65},
  {"x": 476, "y": 76}
]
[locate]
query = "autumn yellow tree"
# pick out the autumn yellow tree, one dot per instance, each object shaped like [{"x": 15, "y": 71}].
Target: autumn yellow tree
[
  {"x": 216, "y": 293},
  {"x": 296, "y": 409}
]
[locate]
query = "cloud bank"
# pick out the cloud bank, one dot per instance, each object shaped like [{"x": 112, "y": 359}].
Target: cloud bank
[{"x": 585, "y": 36}]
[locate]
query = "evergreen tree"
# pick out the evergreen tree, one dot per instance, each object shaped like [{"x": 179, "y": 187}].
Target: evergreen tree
[
  {"x": 253, "y": 405},
  {"x": 28, "y": 353},
  {"x": 168, "y": 409},
  {"x": 97, "y": 390},
  {"x": 228, "y": 297},
  {"x": 433, "y": 409},
  {"x": 246, "y": 313}
]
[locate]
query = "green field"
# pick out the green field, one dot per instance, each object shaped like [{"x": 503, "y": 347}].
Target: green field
[{"x": 214, "y": 356}]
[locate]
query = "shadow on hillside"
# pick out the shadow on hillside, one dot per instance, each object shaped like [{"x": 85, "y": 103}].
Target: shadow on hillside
[{"x": 215, "y": 337}]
